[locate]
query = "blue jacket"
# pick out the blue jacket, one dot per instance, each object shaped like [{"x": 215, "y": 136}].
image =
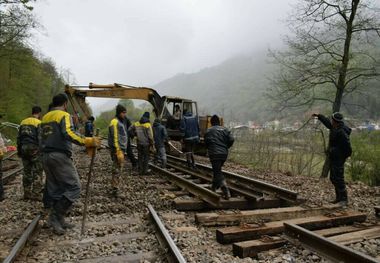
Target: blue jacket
[
  {"x": 89, "y": 129},
  {"x": 160, "y": 134},
  {"x": 190, "y": 127}
]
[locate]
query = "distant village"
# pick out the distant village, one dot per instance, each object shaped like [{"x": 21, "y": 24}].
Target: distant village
[{"x": 285, "y": 126}]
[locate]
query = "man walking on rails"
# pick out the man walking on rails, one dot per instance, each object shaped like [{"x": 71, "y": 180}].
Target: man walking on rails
[
  {"x": 340, "y": 150},
  {"x": 218, "y": 140},
  {"x": 62, "y": 180},
  {"x": 160, "y": 138},
  {"x": 190, "y": 127},
  {"x": 28, "y": 150},
  {"x": 118, "y": 143}
]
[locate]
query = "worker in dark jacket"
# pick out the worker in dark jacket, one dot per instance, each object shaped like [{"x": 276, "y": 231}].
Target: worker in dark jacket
[
  {"x": 190, "y": 127},
  {"x": 89, "y": 127},
  {"x": 62, "y": 180},
  {"x": 118, "y": 143},
  {"x": 130, "y": 154},
  {"x": 142, "y": 130},
  {"x": 339, "y": 151},
  {"x": 160, "y": 138},
  {"x": 28, "y": 150},
  {"x": 218, "y": 140}
]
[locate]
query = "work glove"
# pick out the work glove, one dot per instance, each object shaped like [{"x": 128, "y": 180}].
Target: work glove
[
  {"x": 92, "y": 142},
  {"x": 120, "y": 156}
]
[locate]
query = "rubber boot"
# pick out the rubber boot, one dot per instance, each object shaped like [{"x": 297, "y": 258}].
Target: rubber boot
[
  {"x": 62, "y": 207},
  {"x": 54, "y": 223},
  {"x": 343, "y": 198},
  {"x": 226, "y": 192},
  {"x": 337, "y": 197}
]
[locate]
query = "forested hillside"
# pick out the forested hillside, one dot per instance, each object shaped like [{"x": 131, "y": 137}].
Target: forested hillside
[
  {"x": 26, "y": 78},
  {"x": 234, "y": 89},
  {"x": 239, "y": 89}
]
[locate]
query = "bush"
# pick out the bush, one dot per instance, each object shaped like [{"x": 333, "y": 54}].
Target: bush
[{"x": 364, "y": 164}]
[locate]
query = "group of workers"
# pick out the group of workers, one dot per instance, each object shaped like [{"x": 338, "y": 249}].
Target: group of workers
[{"x": 45, "y": 145}]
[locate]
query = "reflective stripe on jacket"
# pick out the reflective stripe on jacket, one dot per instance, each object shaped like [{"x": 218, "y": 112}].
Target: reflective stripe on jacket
[
  {"x": 117, "y": 136},
  {"x": 143, "y": 131},
  {"x": 28, "y": 132},
  {"x": 57, "y": 133}
]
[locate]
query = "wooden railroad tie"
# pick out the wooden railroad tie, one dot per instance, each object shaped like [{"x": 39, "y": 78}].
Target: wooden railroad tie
[{"x": 246, "y": 232}]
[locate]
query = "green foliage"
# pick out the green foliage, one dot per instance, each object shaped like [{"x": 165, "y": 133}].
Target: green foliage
[
  {"x": 364, "y": 164},
  {"x": 26, "y": 81},
  {"x": 302, "y": 153}
]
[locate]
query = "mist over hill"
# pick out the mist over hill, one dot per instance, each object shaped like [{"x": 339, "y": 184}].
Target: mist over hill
[{"x": 233, "y": 89}]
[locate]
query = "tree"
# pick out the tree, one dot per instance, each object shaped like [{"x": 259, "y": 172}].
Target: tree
[
  {"x": 16, "y": 22},
  {"x": 330, "y": 54}
]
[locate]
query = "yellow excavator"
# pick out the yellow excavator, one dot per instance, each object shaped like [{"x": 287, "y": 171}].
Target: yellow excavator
[{"x": 163, "y": 107}]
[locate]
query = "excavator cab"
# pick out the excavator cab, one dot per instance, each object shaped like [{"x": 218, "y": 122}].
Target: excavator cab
[{"x": 174, "y": 109}]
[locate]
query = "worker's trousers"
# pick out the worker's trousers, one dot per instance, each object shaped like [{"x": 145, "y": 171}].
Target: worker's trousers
[
  {"x": 143, "y": 156},
  {"x": 161, "y": 155},
  {"x": 62, "y": 179},
  {"x": 130, "y": 154},
  {"x": 33, "y": 176},
  {"x": 218, "y": 177},
  {"x": 337, "y": 176}
]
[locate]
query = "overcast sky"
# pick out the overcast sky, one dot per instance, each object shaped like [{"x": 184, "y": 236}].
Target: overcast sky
[{"x": 143, "y": 42}]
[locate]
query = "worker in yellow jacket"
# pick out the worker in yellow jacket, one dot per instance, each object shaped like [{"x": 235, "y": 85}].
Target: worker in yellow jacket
[
  {"x": 118, "y": 143},
  {"x": 62, "y": 180},
  {"x": 28, "y": 150}
]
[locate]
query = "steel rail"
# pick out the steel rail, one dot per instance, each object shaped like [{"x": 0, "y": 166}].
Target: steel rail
[
  {"x": 18, "y": 247},
  {"x": 9, "y": 156},
  {"x": 165, "y": 238},
  {"x": 7, "y": 177},
  {"x": 251, "y": 195},
  {"x": 261, "y": 186},
  {"x": 326, "y": 248},
  {"x": 199, "y": 191}
]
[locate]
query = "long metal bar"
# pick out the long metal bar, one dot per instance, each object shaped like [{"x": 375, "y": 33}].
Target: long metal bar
[
  {"x": 175, "y": 253},
  {"x": 203, "y": 193},
  {"x": 325, "y": 247},
  {"x": 18, "y": 247},
  {"x": 88, "y": 186},
  {"x": 268, "y": 188},
  {"x": 232, "y": 186}
]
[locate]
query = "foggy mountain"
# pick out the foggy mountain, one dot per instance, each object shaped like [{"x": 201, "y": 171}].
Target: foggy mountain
[{"x": 233, "y": 89}]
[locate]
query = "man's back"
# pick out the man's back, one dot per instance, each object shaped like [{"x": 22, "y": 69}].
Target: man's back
[
  {"x": 218, "y": 140},
  {"x": 190, "y": 127}
]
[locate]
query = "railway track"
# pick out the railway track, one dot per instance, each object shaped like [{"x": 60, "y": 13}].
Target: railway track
[
  {"x": 11, "y": 168},
  {"x": 168, "y": 246},
  {"x": 255, "y": 231},
  {"x": 203, "y": 226}
]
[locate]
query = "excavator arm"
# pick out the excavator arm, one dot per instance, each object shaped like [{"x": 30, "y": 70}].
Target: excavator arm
[{"x": 119, "y": 91}]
